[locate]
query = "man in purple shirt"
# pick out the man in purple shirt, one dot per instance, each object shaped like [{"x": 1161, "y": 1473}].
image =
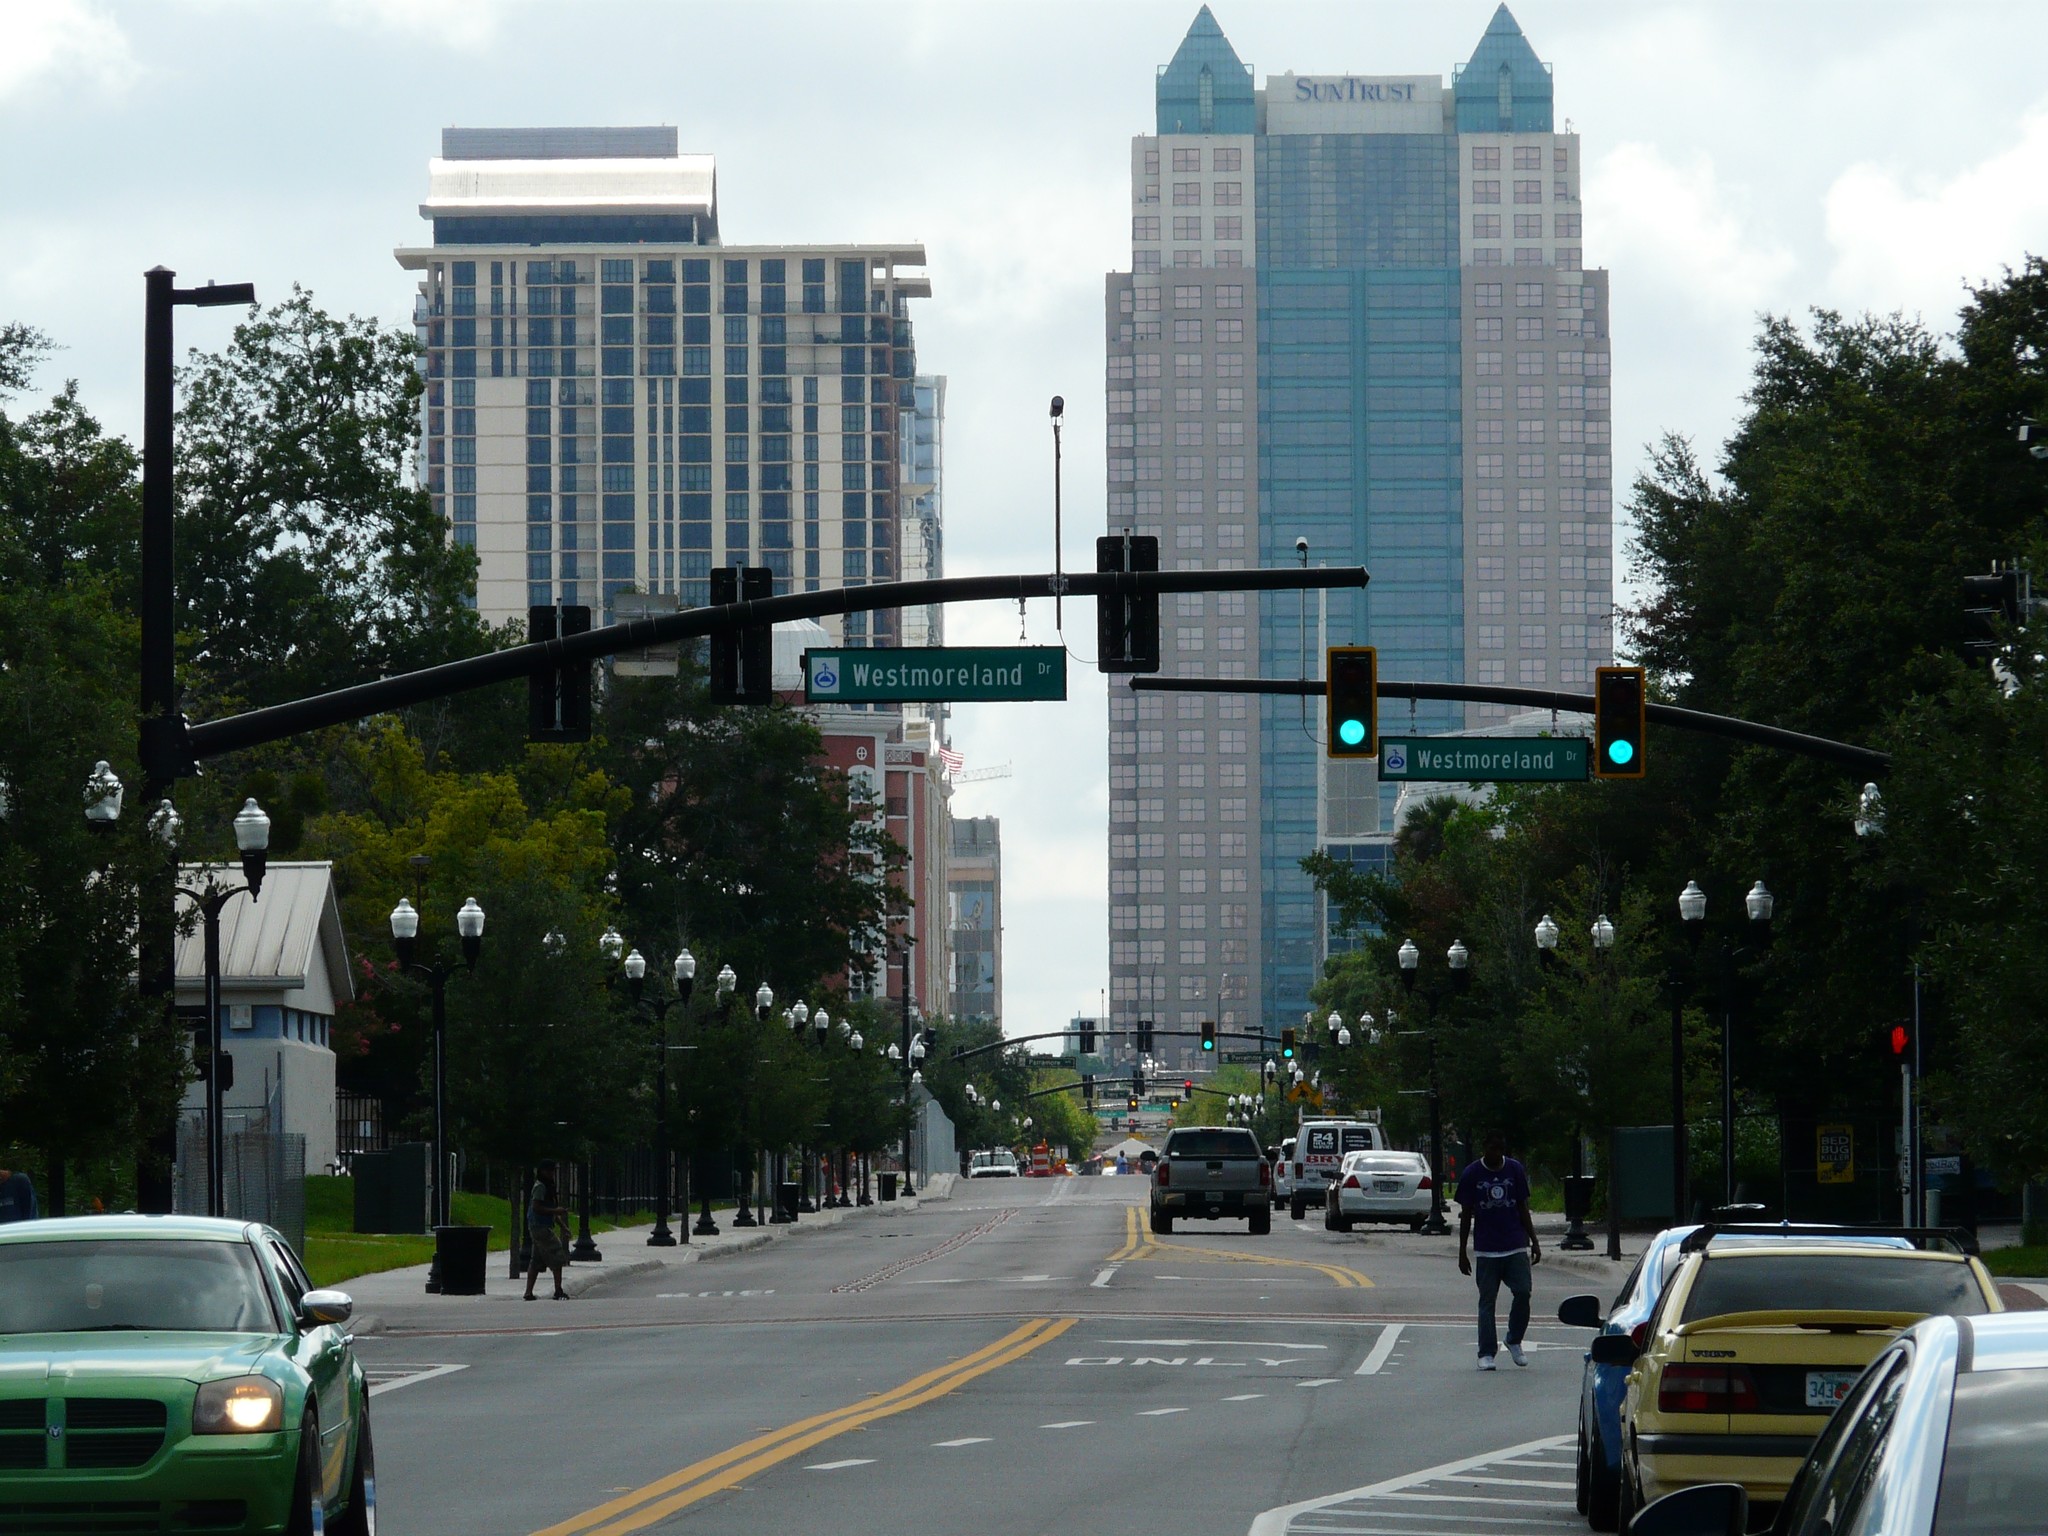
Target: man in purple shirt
[{"x": 1493, "y": 1207}]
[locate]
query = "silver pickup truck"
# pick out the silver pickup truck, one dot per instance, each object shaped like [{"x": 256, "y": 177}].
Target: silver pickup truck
[{"x": 1212, "y": 1171}]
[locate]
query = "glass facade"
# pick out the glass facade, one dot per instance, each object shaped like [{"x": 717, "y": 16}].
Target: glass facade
[{"x": 1357, "y": 315}]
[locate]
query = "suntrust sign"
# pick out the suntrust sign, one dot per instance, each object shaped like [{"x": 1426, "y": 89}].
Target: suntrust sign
[{"x": 1351, "y": 88}]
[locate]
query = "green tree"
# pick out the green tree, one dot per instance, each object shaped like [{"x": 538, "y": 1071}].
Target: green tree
[{"x": 308, "y": 556}]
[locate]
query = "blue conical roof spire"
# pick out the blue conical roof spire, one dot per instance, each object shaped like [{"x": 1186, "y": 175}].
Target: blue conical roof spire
[
  {"x": 1207, "y": 88},
  {"x": 1505, "y": 88}
]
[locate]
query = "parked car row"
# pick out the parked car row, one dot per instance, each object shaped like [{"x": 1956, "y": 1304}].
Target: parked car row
[{"x": 1753, "y": 1376}]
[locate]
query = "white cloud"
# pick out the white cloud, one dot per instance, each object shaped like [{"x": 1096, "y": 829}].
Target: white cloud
[
  {"x": 42, "y": 41},
  {"x": 1910, "y": 244},
  {"x": 1678, "y": 225},
  {"x": 451, "y": 23}
]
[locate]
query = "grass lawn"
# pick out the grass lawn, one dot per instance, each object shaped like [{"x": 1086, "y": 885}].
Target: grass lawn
[
  {"x": 2018, "y": 1261},
  {"x": 334, "y": 1253}
]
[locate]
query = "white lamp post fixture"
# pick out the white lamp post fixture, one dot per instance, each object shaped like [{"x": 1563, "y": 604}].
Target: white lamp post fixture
[
  {"x": 1869, "y": 811},
  {"x": 635, "y": 967},
  {"x": 764, "y": 999},
  {"x": 1759, "y": 903},
  {"x": 165, "y": 824},
  {"x": 1546, "y": 936},
  {"x": 1603, "y": 933},
  {"x": 610, "y": 944},
  {"x": 727, "y": 980},
  {"x": 102, "y": 795}
]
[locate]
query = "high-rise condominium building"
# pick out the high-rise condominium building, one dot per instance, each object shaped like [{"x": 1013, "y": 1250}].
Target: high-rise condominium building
[
  {"x": 1357, "y": 314},
  {"x": 617, "y": 400}
]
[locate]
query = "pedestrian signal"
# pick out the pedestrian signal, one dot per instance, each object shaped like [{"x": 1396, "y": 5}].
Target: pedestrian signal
[
  {"x": 1900, "y": 1040},
  {"x": 1351, "y": 683},
  {"x": 1619, "y": 706}
]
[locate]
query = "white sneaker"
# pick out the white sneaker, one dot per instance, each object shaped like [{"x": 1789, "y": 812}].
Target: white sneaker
[
  {"x": 1486, "y": 1362},
  {"x": 1515, "y": 1354}
]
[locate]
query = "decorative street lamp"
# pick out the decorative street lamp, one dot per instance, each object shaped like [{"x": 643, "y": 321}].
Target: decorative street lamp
[
  {"x": 252, "y": 841},
  {"x": 1869, "y": 820},
  {"x": 684, "y": 973},
  {"x": 102, "y": 795},
  {"x": 1602, "y": 933},
  {"x": 405, "y": 932},
  {"x": 1546, "y": 941},
  {"x": 1459, "y": 960}
]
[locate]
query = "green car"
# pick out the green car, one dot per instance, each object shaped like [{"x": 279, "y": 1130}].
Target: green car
[{"x": 174, "y": 1373}]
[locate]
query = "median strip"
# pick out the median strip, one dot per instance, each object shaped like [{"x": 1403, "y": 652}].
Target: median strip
[{"x": 658, "y": 1500}]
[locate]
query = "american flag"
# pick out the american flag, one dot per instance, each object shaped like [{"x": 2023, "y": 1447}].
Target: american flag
[{"x": 954, "y": 761}]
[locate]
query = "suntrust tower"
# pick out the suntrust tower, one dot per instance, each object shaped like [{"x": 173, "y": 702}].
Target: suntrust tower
[{"x": 1357, "y": 313}]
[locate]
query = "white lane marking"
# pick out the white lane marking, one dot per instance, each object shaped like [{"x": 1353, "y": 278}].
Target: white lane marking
[
  {"x": 1159, "y": 1413},
  {"x": 948, "y": 1445},
  {"x": 1473, "y": 1498},
  {"x": 1068, "y": 1424},
  {"x": 834, "y": 1466},
  {"x": 1245, "y": 1397},
  {"x": 1235, "y": 1343},
  {"x": 1101, "y": 1281},
  {"x": 983, "y": 1280},
  {"x": 1320, "y": 1381},
  {"x": 1382, "y": 1347},
  {"x": 428, "y": 1374},
  {"x": 1275, "y": 1522},
  {"x": 1517, "y": 1482}
]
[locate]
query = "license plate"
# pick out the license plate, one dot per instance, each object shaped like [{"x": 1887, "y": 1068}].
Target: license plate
[
  {"x": 1387, "y": 1186},
  {"x": 1826, "y": 1389}
]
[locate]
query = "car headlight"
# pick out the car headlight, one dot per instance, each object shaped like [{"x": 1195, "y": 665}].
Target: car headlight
[{"x": 238, "y": 1405}]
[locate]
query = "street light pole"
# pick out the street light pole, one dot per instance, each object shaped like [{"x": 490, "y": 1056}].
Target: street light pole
[
  {"x": 911, "y": 1050},
  {"x": 162, "y": 754},
  {"x": 405, "y": 931},
  {"x": 1409, "y": 958}
]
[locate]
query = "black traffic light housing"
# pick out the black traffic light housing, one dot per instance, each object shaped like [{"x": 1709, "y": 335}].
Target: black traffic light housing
[
  {"x": 1992, "y": 605},
  {"x": 1898, "y": 1043},
  {"x": 1088, "y": 1091},
  {"x": 1126, "y": 624},
  {"x": 1087, "y": 1037},
  {"x": 742, "y": 659},
  {"x": 1145, "y": 1037},
  {"x": 1132, "y": 1104},
  {"x": 1138, "y": 1082},
  {"x": 1287, "y": 1044},
  {"x": 558, "y": 697},
  {"x": 1208, "y": 1036},
  {"x": 1620, "y": 707},
  {"x": 1351, "y": 676}
]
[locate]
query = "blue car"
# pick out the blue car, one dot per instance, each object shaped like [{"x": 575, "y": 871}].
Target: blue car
[
  {"x": 1945, "y": 1432},
  {"x": 1602, "y": 1387}
]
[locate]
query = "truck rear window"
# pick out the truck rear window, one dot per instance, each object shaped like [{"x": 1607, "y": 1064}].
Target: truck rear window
[
  {"x": 1358, "y": 1139},
  {"x": 1758, "y": 1281},
  {"x": 1213, "y": 1143}
]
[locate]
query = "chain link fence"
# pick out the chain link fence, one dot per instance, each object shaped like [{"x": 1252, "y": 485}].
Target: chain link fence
[{"x": 263, "y": 1174}]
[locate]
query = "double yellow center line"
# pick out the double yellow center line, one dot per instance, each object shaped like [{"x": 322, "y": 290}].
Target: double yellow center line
[
  {"x": 1139, "y": 1243},
  {"x": 658, "y": 1500}
]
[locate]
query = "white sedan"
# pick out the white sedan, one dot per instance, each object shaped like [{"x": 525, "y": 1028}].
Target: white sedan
[{"x": 1379, "y": 1186}]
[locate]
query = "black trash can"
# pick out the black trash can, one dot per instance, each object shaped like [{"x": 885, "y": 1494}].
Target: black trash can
[
  {"x": 460, "y": 1254},
  {"x": 789, "y": 1196},
  {"x": 1578, "y": 1197},
  {"x": 888, "y": 1183}
]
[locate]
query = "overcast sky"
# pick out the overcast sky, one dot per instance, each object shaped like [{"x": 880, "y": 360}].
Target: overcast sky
[{"x": 1739, "y": 158}]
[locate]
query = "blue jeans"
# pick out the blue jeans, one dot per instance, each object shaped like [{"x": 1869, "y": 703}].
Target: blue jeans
[{"x": 1514, "y": 1270}]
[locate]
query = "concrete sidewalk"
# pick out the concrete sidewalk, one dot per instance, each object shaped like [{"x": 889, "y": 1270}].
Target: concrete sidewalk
[{"x": 625, "y": 1253}]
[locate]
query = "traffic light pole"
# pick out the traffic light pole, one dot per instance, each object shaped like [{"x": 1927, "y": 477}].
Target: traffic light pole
[
  {"x": 237, "y": 732},
  {"x": 1862, "y": 759}
]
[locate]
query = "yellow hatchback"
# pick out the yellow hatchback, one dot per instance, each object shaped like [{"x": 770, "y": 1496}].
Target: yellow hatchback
[{"x": 1753, "y": 1346}]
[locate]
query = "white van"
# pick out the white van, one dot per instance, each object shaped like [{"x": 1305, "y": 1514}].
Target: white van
[
  {"x": 1283, "y": 1173},
  {"x": 993, "y": 1165},
  {"x": 1319, "y": 1150}
]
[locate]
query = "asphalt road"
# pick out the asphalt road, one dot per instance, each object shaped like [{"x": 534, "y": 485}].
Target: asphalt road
[{"x": 1023, "y": 1358}]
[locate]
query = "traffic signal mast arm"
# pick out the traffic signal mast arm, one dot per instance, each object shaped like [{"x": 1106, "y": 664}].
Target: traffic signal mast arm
[
  {"x": 1060, "y": 1034},
  {"x": 215, "y": 737},
  {"x": 1862, "y": 759}
]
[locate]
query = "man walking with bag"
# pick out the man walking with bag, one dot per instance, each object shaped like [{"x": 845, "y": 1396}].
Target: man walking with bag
[{"x": 1493, "y": 1207}]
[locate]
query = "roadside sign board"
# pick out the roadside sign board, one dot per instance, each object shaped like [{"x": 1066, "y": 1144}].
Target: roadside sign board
[
  {"x": 980, "y": 674},
  {"x": 1495, "y": 759},
  {"x": 1834, "y": 1154}
]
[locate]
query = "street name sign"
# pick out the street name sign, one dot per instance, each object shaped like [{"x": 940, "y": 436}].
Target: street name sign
[
  {"x": 983, "y": 674},
  {"x": 1494, "y": 759}
]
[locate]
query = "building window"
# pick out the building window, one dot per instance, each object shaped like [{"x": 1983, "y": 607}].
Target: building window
[
  {"x": 1145, "y": 226},
  {"x": 1485, "y": 226},
  {"x": 1487, "y": 466},
  {"x": 1530, "y": 568},
  {"x": 1533, "y": 669},
  {"x": 1527, "y": 363},
  {"x": 1528, "y": 295},
  {"x": 1529, "y": 466},
  {"x": 1187, "y": 194},
  {"x": 1485, "y": 157},
  {"x": 1486, "y": 191},
  {"x": 1487, "y": 433},
  {"x": 1526, "y": 192},
  {"x": 1493, "y": 637},
  {"x": 1486, "y": 295},
  {"x": 1230, "y": 296}
]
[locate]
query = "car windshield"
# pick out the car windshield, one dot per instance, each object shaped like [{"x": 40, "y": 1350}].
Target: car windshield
[
  {"x": 1994, "y": 1477},
  {"x": 1757, "y": 1281},
  {"x": 117, "y": 1285},
  {"x": 1213, "y": 1143}
]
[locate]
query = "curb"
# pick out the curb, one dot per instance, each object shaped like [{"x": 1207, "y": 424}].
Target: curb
[{"x": 594, "y": 1279}]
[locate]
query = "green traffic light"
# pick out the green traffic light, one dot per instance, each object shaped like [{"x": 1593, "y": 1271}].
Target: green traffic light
[
  {"x": 1208, "y": 1045},
  {"x": 1620, "y": 751},
  {"x": 1351, "y": 732}
]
